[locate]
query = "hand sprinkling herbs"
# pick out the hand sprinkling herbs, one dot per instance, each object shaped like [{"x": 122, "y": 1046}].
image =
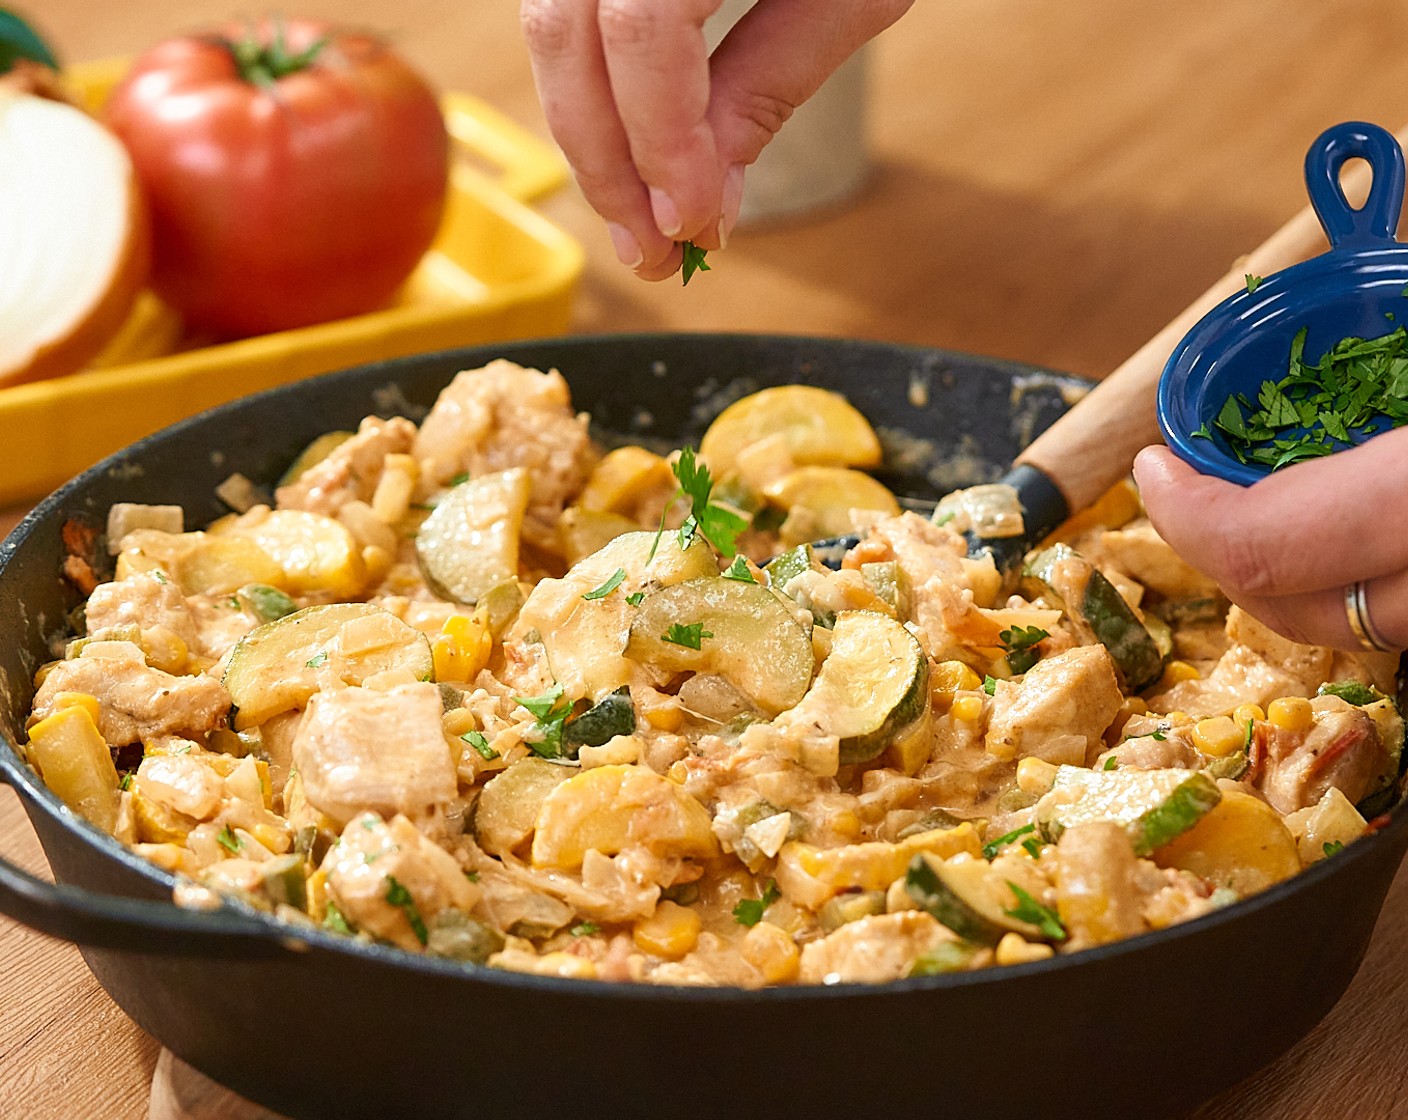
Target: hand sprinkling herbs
[{"x": 693, "y": 261}]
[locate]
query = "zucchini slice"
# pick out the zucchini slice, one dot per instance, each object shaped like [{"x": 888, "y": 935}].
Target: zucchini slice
[
  {"x": 744, "y": 633},
  {"x": 323, "y": 446},
  {"x": 275, "y": 667},
  {"x": 612, "y": 715},
  {"x": 1153, "y": 806},
  {"x": 1097, "y": 610},
  {"x": 469, "y": 543},
  {"x": 873, "y": 688},
  {"x": 965, "y": 894}
]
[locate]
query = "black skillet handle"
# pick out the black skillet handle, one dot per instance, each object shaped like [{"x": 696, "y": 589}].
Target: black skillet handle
[{"x": 113, "y": 922}]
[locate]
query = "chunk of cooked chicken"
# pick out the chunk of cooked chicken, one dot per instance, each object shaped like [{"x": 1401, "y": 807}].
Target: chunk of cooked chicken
[
  {"x": 1058, "y": 710},
  {"x": 390, "y": 881},
  {"x": 135, "y": 701},
  {"x": 351, "y": 470},
  {"x": 1095, "y": 884},
  {"x": 360, "y": 749},
  {"x": 1341, "y": 749},
  {"x": 872, "y": 950},
  {"x": 505, "y": 416},
  {"x": 145, "y": 600}
]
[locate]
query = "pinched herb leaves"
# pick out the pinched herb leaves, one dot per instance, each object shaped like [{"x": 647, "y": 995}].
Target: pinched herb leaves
[
  {"x": 689, "y": 634},
  {"x": 1030, "y": 910},
  {"x": 1357, "y": 389},
  {"x": 750, "y": 911},
  {"x": 608, "y": 587},
  {"x": 400, "y": 897},
  {"x": 693, "y": 261},
  {"x": 550, "y": 710}
]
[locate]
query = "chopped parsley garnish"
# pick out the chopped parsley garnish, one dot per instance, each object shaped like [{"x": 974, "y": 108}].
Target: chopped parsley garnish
[
  {"x": 635, "y": 597},
  {"x": 992, "y": 847},
  {"x": 688, "y": 634},
  {"x": 585, "y": 929},
  {"x": 334, "y": 920},
  {"x": 693, "y": 261},
  {"x": 1159, "y": 733},
  {"x": 1351, "y": 692},
  {"x": 990, "y": 685},
  {"x": 1032, "y": 846},
  {"x": 400, "y": 897},
  {"x": 317, "y": 659},
  {"x": 229, "y": 841},
  {"x": 1358, "y": 388},
  {"x": 126, "y": 782},
  {"x": 1253, "y": 282},
  {"x": 740, "y": 571},
  {"x": 480, "y": 743},
  {"x": 550, "y": 711},
  {"x": 719, "y": 524},
  {"x": 1332, "y": 848},
  {"x": 459, "y": 479},
  {"x": 472, "y": 876},
  {"x": 750, "y": 911},
  {"x": 1110, "y": 763},
  {"x": 1021, "y": 644},
  {"x": 1030, "y": 910},
  {"x": 608, "y": 587}
]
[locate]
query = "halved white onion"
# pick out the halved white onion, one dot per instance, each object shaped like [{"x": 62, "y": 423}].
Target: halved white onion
[{"x": 74, "y": 248}]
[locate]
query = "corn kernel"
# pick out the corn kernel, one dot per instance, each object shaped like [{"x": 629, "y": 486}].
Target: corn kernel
[
  {"x": 164, "y": 649},
  {"x": 953, "y": 676},
  {"x": 1035, "y": 775},
  {"x": 967, "y": 708},
  {"x": 457, "y": 721},
  {"x": 77, "y": 700},
  {"x": 1016, "y": 949},
  {"x": 771, "y": 950},
  {"x": 678, "y": 772},
  {"x": 1218, "y": 736},
  {"x": 568, "y": 965},
  {"x": 1134, "y": 706},
  {"x": 670, "y": 932},
  {"x": 1289, "y": 713},
  {"x": 377, "y": 561},
  {"x": 1244, "y": 712},
  {"x": 845, "y": 823},
  {"x": 274, "y": 838},
  {"x": 462, "y": 648},
  {"x": 665, "y": 717},
  {"x": 1178, "y": 718},
  {"x": 1175, "y": 672}
]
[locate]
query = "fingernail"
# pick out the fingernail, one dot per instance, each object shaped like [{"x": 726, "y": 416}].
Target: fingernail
[
  {"x": 628, "y": 250},
  {"x": 733, "y": 200},
  {"x": 667, "y": 214}
]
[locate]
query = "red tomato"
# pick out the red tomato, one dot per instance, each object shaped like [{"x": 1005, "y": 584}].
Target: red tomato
[{"x": 295, "y": 173}]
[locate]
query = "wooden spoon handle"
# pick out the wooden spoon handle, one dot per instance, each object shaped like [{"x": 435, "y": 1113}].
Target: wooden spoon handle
[{"x": 1093, "y": 446}]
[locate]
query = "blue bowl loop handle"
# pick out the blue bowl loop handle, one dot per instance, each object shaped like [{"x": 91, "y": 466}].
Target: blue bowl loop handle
[{"x": 1377, "y": 221}]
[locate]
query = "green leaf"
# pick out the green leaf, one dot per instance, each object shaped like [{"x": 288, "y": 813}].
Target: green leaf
[
  {"x": 584, "y": 929},
  {"x": 550, "y": 710},
  {"x": 608, "y": 587},
  {"x": 229, "y": 841},
  {"x": 18, "y": 40},
  {"x": 334, "y": 920},
  {"x": 1111, "y": 763},
  {"x": 688, "y": 634},
  {"x": 319, "y": 658},
  {"x": 739, "y": 571},
  {"x": 989, "y": 685},
  {"x": 719, "y": 524},
  {"x": 635, "y": 597},
  {"x": 1332, "y": 848},
  {"x": 1253, "y": 282},
  {"x": 693, "y": 261},
  {"x": 1202, "y": 432},
  {"x": 398, "y": 896},
  {"x": 1030, "y": 910},
  {"x": 480, "y": 742},
  {"x": 1032, "y": 847},
  {"x": 992, "y": 847},
  {"x": 750, "y": 911}
]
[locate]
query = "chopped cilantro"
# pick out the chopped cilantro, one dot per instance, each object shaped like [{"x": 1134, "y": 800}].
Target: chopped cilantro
[
  {"x": 1021, "y": 642},
  {"x": 1032, "y": 846},
  {"x": 1253, "y": 282},
  {"x": 320, "y": 658},
  {"x": 990, "y": 685},
  {"x": 1332, "y": 848},
  {"x": 689, "y": 634},
  {"x": 334, "y": 920},
  {"x": 158, "y": 575},
  {"x": 740, "y": 571},
  {"x": 459, "y": 479},
  {"x": 992, "y": 847},
  {"x": 1030, "y": 910},
  {"x": 585, "y": 929},
  {"x": 1202, "y": 432},
  {"x": 229, "y": 841},
  {"x": 550, "y": 711},
  {"x": 400, "y": 897},
  {"x": 750, "y": 911},
  {"x": 719, "y": 524},
  {"x": 608, "y": 587},
  {"x": 126, "y": 782},
  {"x": 635, "y": 597},
  {"x": 945, "y": 519},
  {"x": 693, "y": 261},
  {"x": 1159, "y": 733},
  {"x": 1110, "y": 763},
  {"x": 480, "y": 743}
]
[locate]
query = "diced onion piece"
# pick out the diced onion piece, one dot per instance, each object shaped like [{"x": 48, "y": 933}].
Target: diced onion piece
[{"x": 75, "y": 236}]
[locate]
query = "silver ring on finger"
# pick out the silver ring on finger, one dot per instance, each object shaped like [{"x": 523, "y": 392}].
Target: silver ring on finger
[{"x": 1361, "y": 624}]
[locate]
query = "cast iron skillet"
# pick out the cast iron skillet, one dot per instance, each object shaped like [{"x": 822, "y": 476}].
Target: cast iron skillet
[{"x": 315, "y": 1025}]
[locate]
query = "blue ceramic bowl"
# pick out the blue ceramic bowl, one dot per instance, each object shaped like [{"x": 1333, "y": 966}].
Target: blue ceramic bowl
[{"x": 1354, "y": 290}]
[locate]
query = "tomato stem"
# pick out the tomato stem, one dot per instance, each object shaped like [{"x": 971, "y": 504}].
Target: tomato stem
[{"x": 263, "y": 64}]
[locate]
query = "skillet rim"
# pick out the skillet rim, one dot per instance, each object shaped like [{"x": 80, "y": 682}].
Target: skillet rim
[{"x": 294, "y": 939}]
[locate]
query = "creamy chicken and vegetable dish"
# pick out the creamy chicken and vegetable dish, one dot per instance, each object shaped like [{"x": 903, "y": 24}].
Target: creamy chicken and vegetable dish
[{"x": 479, "y": 688}]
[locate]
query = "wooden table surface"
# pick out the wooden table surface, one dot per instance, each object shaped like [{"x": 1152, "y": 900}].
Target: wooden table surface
[{"x": 1052, "y": 182}]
